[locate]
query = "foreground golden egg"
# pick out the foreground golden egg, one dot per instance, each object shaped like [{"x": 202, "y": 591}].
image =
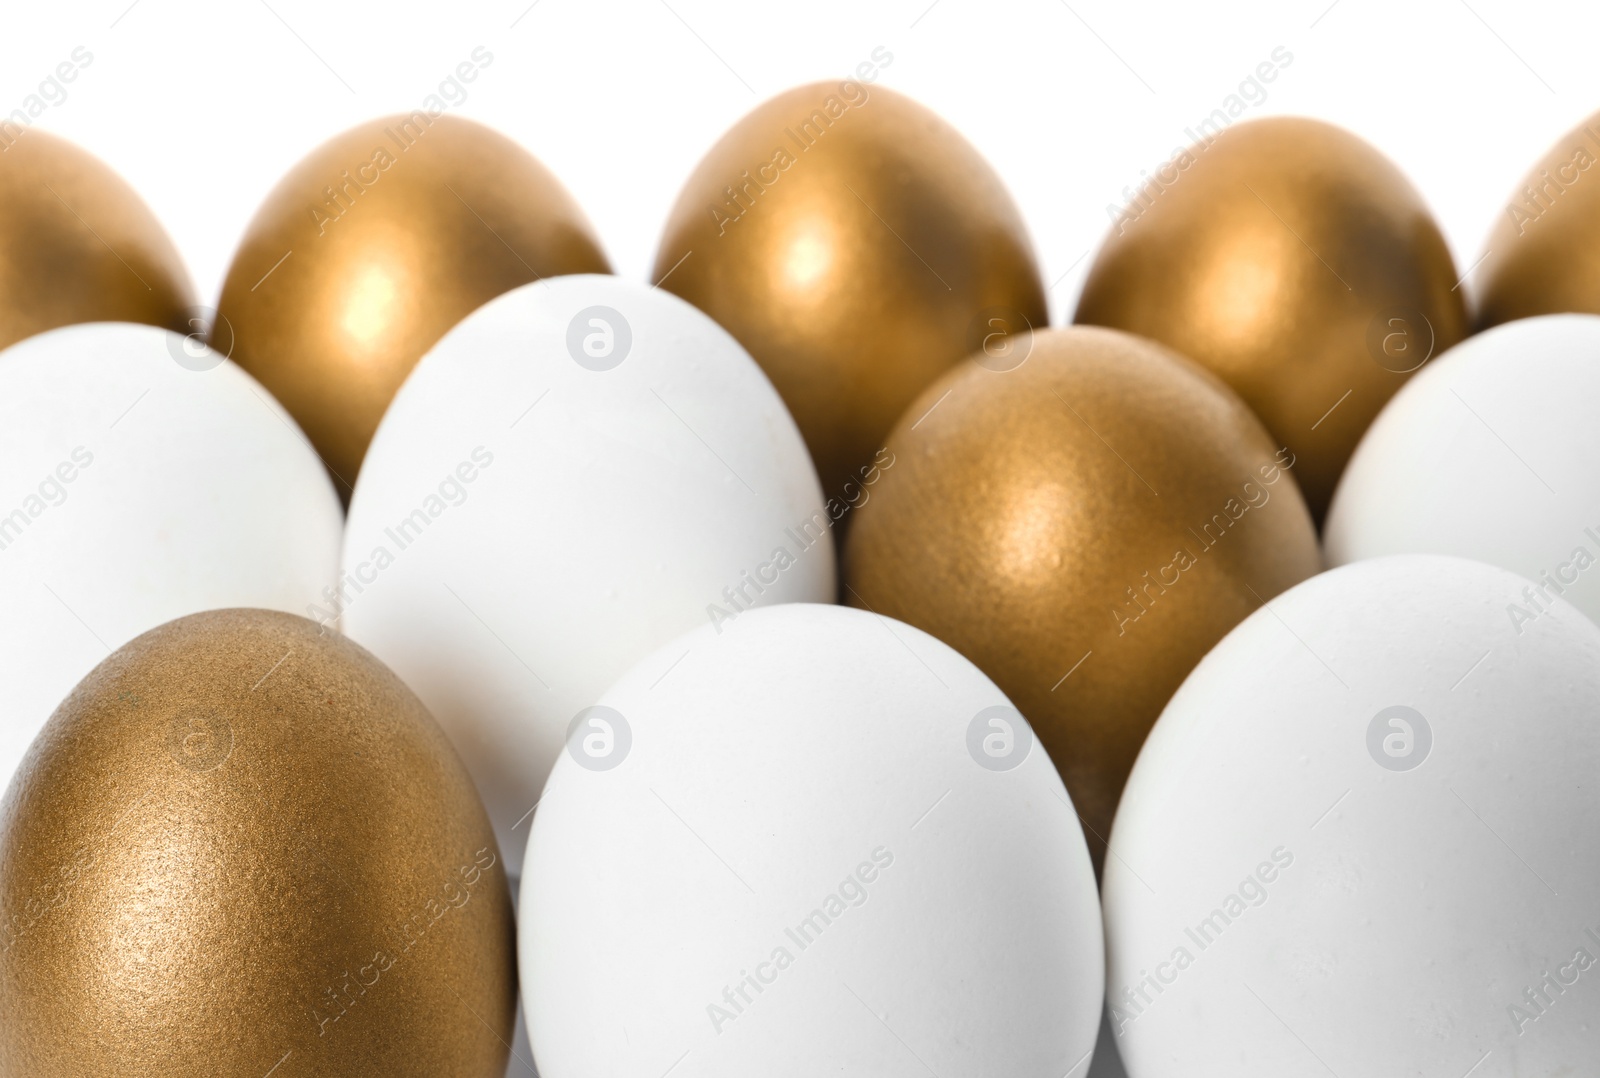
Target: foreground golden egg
[
  {"x": 857, "y": 246},
  {"x": 1298, "y": 264},
  {"x": 77, "y": 244},
  {"x": 1543, "y": 255},
  {"x": 1084, "y": 528},
  {"x": 239, "y": 845},
  {"x": 371, "y": 248}
]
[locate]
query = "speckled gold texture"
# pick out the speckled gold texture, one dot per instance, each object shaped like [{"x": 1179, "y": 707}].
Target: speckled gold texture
[
  {"x": 241, "y": 847},
  {"x": 1543, "y": 255},
  {"x": 78, "y": 245},
  {"x": 857, "y": 246},
  {"x": 371, "y": 249},
  {"x": 1298, "y": 264},
  {"x": 1084, "y": 528}
]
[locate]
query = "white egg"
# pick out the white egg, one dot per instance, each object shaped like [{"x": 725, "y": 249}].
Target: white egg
[
  {"x": 142, "y": 478},
  {"x": 1491, "y": 452},
  {"x": 821, "y": 842},
  {"x": 578, "y": 472},
  {"x": 1361, "y": 840}
]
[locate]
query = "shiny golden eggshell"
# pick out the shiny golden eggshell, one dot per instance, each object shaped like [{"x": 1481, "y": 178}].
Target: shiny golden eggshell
[
  {"x": 854, "y": 243},
  {"x": 1084, "y": 528},
  {"x": 240, "y": 844},
  {"x": 77, "y": 244},
  {"x": 1543, "y": 255},
  {"x": 1298, "y": 264},
  {"x": 371, "y": 249}
]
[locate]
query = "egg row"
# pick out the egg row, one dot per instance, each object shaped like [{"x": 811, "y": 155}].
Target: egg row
[
  {"x": 1285, "y": 255},
  {"x": 1030, "y": 519}
]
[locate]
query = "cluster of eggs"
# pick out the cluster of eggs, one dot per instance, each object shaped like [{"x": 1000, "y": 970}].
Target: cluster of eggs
[{"x": 785, "y": 637}]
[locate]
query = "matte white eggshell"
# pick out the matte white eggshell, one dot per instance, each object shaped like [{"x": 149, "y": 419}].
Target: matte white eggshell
[
  {"x": 764, "y": 767},
  {"x": 1491, "y": 452},
  {"x": 190, "y": 489},
  {"x": 1360, "y": 836},
  {"x": 630, "y": 466}
]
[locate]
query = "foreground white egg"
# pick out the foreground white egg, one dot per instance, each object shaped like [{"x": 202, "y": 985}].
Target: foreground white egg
[
  {"x": 578, "y": 472},
  {"x": 1362, "y": 840},
  {"x": 142, "y": 478},
  {"x": 1491, "y": 452},
  {"x": 821, "y": 842}
]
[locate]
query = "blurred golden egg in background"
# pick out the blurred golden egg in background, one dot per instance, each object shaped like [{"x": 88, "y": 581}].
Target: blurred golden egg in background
[
  {"x": 375, "y": 245},
  {"x": 239, "y": 845},
  {"x": 1543, "y": 254},
  {"x": 77, "y": 244},
  {"x": 1084, "y": 527},
  {"x": 857, "y": 246},
  {"x": 1299, "y": 265}
]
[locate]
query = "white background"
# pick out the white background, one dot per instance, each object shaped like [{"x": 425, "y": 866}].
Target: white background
[{"x": 203, "y": 104}]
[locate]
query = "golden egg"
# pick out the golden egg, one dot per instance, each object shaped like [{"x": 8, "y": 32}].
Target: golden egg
[
  {"x": 1084, "y": 528},
  {"x": 77, "y": 244},
  {"x": 241, "y": 847},
  {"x": 371, "y": 249},
  {"x": 857, "y": 246},
  {"x": 1299, "y": 265},
  {"x": 1543, "y": 255}
]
